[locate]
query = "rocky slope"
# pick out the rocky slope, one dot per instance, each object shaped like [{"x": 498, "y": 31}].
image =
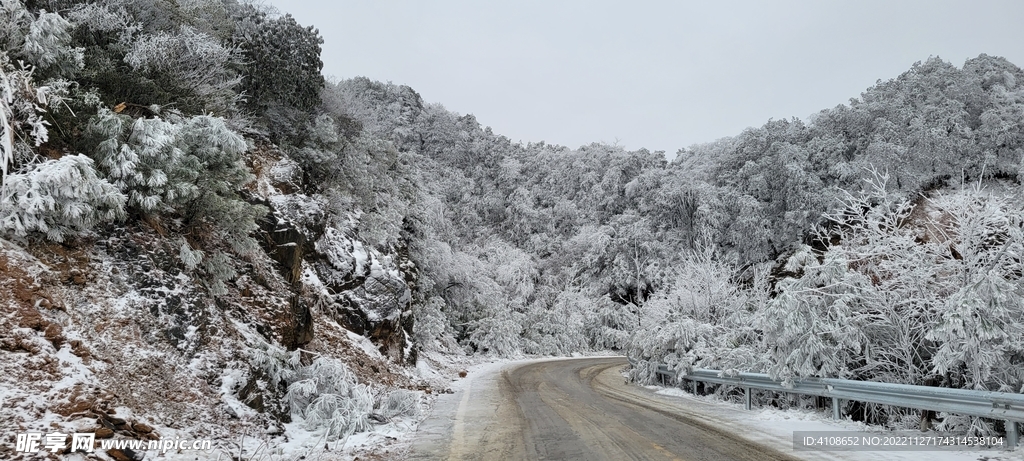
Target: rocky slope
[{"x": 105, "y": 333}]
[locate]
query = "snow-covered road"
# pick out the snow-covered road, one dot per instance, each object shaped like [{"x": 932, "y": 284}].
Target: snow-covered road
[{"x": 583, "y": 409}]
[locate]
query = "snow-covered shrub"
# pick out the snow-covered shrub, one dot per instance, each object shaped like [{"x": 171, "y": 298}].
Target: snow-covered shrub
[
  {"x": 320, "y": 154},
  {"x": 140, "y": 157},
  {"x": 193, "y": 62},
  {"x": 216, "y": 151},
  {"x": 189, "y": 257},
  {"x": 399, "y": 402},
  {"x": 58, "y": 198},
  {"x": 105, "y": 18},
  {"x": 219, "y": 269},
  {"x": 55, "y": 197},
  {"x": 22, "y": 105},
  {"x": 277, "y": 364},
  {"x": 967, "y": 425},
  {"x": 42, "y": 41},
  {"x": 191, "y": 167},
  {"x": 328, "y": 397},
  {"x": 14, "y": 22},
  {"x": 48, "y": 46}
]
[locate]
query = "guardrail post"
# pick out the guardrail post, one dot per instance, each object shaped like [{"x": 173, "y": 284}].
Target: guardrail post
[
  {"x": 746, "y": 398},
  {"x": 1011, "y": 434},
  {"x": 693, "y": 386},
  {"x": 836, "y": 413}
]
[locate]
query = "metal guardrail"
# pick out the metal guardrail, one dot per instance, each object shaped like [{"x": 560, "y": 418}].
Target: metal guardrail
[{"x": 986, "y": 404}]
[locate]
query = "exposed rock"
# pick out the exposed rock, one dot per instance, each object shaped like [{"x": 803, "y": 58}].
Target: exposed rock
[
  {"x": 77, "y": 407},
  {"x": 286, "y": 176},
  {"x": 284, "y": 243},
  {"x": 257, "y": 395},
  {"x": 302, "y": 315},
  {"x": 29, "y": 317},
  {"x": 287, "y": 243},
  {"x": 81, "y": 351},
  {"x": 118, "y": 455},
  {"x": 370, "y": 295},
  {"x": 124, "y": 455},
  {"x": 104, "y": 433},
  {"x": 80, "y": 401},
  {"x": 341, "y": 263},
  {"x": 54, "y": 334}
]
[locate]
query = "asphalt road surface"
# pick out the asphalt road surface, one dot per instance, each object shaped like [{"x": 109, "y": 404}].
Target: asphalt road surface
[{"x": 573, "y": 409}]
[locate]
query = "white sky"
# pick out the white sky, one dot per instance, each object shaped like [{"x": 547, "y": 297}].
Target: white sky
[{"x": 656, "y": 74}]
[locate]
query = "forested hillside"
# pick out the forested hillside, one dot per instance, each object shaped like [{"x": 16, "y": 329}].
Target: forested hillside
[{"x": 182, "y": 188}]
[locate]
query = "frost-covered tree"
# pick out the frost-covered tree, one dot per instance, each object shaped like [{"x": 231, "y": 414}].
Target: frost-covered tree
[
  {"x": 219, "y": 211},
  {"x": 506, "y": 289},
  {"x": 42, "y": 40},
  {"x": 58, "y": 198},
  {"x": 815, "y": 325},
  {"x": 362, "y": 177},
  {"x": 196, "y": 66},
  {"x": 327, "y": 397},
  {"x": 634, "y": 259},
  {"x": 981, "y": 321},
  {"x": 189, "y": 168},
  {"x": 700, "y": 319},
  {"x": 936, "y": 285},
  {"x": 497, "y": 331},
  {"x": 282, "y": 61},
  {"x": 431, "y": 330},
  {"x": 557, "y": 327},
  {"x": 20, "y": 119},
  {"x": 141, "y": 158},
  {"x": 48, "y": 46},
  {"x": 876, "y": 231},
  {"x": 609, "y": 325}
]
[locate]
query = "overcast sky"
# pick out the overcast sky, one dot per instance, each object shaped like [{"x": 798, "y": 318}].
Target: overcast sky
[{"x": 658, "y": 74}]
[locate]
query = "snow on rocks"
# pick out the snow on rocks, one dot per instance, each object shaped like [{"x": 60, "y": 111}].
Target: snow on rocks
[{"x": 108, "y": 335}]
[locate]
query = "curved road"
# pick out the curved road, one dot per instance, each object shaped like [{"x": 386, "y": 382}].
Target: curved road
[{"x": 574, "y": 409}]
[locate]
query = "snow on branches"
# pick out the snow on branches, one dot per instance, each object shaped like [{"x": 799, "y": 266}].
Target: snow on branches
[{"x": 58, "y": 198}]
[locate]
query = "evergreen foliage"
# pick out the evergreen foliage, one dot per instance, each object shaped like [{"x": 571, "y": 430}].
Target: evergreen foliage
[
  {"x": 58, "y": 198},
  {"x": 328, "y": 397},
  {"x": 282, "y": 61},
  {"x": 190, "y": 64}
]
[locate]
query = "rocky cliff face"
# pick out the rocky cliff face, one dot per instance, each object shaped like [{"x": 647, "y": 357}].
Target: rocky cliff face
[{"x": 365, "y": 290}]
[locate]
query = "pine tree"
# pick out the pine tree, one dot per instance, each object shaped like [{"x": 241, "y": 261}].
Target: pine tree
[{"x": 58, "y": 198}]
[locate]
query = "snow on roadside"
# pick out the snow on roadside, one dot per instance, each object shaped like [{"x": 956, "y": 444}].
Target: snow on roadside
[{"x": 775, "y": 427}]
